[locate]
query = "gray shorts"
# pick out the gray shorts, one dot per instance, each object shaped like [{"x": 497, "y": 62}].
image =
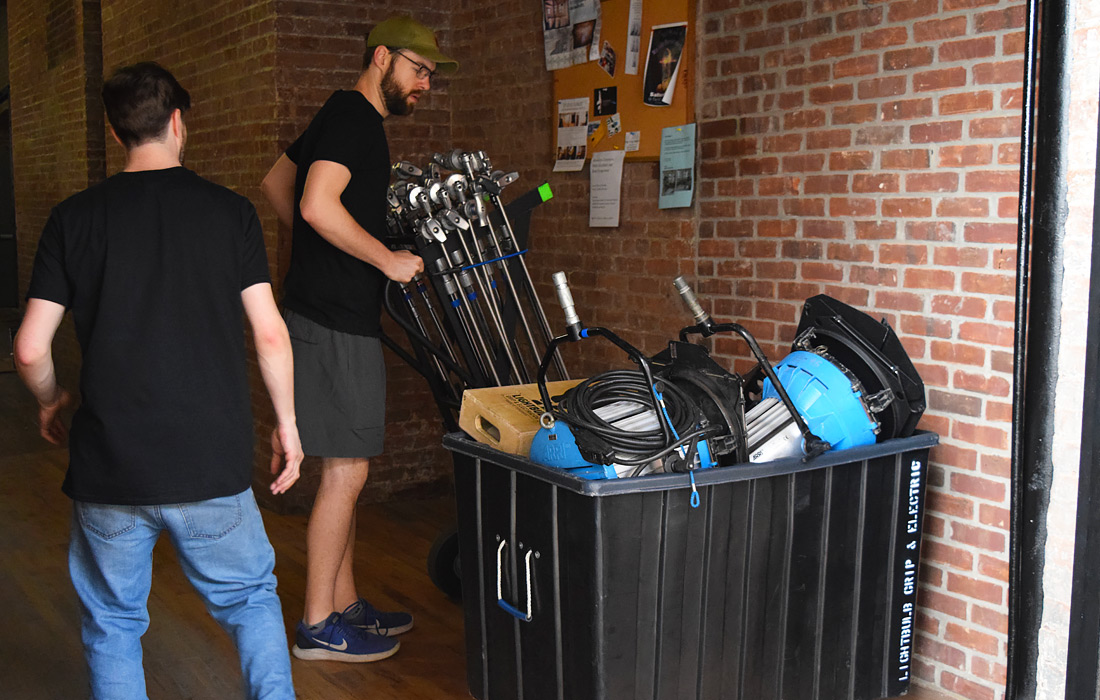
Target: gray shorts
[{"x": 339, "y": 390}]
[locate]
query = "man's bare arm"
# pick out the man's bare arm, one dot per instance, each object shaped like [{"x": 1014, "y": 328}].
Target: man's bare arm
[
  {"x": 33, "y": 350},
  {"x": 277, "y": 370},
  {"x": 323, "y": 210},
  {"x": 278, "y": 189}
]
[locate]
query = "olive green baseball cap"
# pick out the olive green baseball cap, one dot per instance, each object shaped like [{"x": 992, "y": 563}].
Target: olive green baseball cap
[{"x": 403, "y": 32}]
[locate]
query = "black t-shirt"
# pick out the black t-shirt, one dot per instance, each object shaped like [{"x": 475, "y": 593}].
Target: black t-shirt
[
  {"x": 152, "y": 265},
  {"x": 323, "y": 283}
]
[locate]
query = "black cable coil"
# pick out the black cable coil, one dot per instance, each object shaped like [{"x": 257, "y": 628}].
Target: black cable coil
[{"x": 577, "y": 407}]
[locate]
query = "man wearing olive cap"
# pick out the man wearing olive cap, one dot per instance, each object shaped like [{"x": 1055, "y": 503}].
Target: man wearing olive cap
[{"x": 329, "y": 188}]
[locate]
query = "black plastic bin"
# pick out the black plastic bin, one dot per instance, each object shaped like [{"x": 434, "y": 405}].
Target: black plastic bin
[{"x": 790, "y": 580}]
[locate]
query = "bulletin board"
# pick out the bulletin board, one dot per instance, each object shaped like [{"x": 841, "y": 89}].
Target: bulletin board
[{"x": 584, "y": 79}]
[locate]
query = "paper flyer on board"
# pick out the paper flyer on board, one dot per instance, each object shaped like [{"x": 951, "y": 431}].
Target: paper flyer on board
[
  {"x": 570, "y": 32},
  {"x": 572, "y": 134},
  {"x": 605, "y": 188},
  {"x": 677, "y": 167},
  {"x": 633, "y": 37},
  {"x": 666, "y": 44}
]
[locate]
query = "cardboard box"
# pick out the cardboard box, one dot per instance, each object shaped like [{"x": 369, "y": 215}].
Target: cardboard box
[{"x": 506, "y": 417}]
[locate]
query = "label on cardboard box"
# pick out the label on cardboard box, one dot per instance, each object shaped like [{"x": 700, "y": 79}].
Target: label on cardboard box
[{"x": 506, "y": 417}]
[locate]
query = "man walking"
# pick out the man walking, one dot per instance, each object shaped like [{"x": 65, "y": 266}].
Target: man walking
[
  {"x": 156, "y": 265},
  {"x": 330, "y": 189}
]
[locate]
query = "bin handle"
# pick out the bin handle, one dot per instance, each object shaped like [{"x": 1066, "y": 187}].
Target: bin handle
[{"x": 505, "y": 605}]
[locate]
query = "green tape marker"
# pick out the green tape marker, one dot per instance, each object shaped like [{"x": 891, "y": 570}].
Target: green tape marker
[{"x": 544, "y": 191}]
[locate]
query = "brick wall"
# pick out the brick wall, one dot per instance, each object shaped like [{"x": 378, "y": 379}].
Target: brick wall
[
  {"x": 55, "y": 151},
  {"x": 870, "y": 151}
]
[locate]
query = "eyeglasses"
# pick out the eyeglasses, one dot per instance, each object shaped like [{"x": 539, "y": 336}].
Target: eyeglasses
[{"x": 422, "y": 71}]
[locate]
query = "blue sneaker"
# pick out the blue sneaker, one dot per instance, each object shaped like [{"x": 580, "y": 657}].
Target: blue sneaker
[
  {"x": 339, "y": 641},
  {"x": 363, "y": 615}
]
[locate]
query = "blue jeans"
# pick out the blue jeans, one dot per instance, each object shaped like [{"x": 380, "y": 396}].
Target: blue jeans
[{"x": 224, "y": 551}]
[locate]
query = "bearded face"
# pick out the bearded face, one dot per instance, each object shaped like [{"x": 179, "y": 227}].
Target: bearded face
[{"x": 399, "y": 100}]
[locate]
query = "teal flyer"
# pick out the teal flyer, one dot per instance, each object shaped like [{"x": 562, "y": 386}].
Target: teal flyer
[{"x": 677, "y": 174}]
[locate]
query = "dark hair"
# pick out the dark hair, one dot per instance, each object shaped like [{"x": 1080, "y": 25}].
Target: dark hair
[{"x": 140, "y": 99}]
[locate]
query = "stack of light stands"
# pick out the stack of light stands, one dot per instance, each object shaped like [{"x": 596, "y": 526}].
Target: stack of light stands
[{"x": 436, "y": 310}]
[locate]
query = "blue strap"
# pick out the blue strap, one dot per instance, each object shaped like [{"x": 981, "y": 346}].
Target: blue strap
[{"x": 487, "y": 262}]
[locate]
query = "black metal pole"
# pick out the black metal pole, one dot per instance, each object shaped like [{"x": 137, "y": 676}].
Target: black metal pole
[
  {"x": 1083, "y": 658},
  {"x": 1043, "y": 211}
]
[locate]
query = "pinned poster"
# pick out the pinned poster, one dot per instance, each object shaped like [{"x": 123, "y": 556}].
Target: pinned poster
[
  {"x": 677, "y": 167},
  {"x": 666, "y": 44},
  {"x": 633, "y": 37},
  {"x": 572, "y": 135},
  {"x": 570, "y": 32},
  {"x": 605, "y": 188},
  {"x": 633, "y": 141}
]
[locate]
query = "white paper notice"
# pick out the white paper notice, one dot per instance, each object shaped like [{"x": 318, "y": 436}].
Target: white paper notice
[
  {"x": 633, "y": 37},
  {"x": 633, "y": 140},
  {"x": 572, "y": 134},
  {"x": 605, "y": 189}
]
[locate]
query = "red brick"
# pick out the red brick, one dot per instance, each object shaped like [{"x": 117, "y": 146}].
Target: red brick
[
  {"x": 810, "y": 30},
  {"x": 966, "y": 688},
  {"x": 804, "y": 119},
  {"x": 966, "y": 156},
  {"x": 943, "y": 653},
  {"x": 972, "y": 639},
  {"x": 935, "y": 132},
  {"x": 978, "y": 487},
  {"x": 995, "y": 672},
  {"x": 909, "y": 207},
  {"x": 875, "y": 277},
  {"x": 947, "y": 402},
  {"x": 975, "y": 588},
  {"x": 945, "y": 554},
  {"x": 968, "y": 49},
  {"x": 859, "y": 19},
  {"x": 882, "y": 87},
  {"x": 992, "y": 181},
  {"x": 995, "y": 620},
  {"x": 940, "y": 79},
  {"x": 989, "y": 436},
  {"x": 823, "y": 272},
  {"x": 966, "y": 102},
  {"x": 785, "y": 143},
  {"x": 804, "y": 207},
  {"x": 855, "y": 114},
  {"x": 997, "y": 20},
  {"x": 785, "y": 12},
  {"x": 958, "y": 353},
  {"x": 963, "y": 207},
  {"x": 972, "y": 307},
  {"x": 986, "y": 334},
  {"x": 995, "y": 127},
  {"x": 806, "y": 163},
  {"x": 980, "y": 383},
  {"x": 906, "y": 159},
  {"x": 764, "y": 38},
  {"x": 826, "y": 184},
  {"x": 906, "y": 109},
  {"x": 773, "y": 186},
  {"x": 951, "y": 454},
  {"x": 835, "y": 138},
  {"x": 992, "y": 567},
  {"x": 904, "y": 59},
  {"x": 931, "y": 182},
  {"x": 905, "y": 10},
  {"x": 832, "y": 93},
  {"x": 954, "y": 506},
  {"x": 859, "y": 65},
  {"x": 849, "y": 252},
  {"x": 882, "y": 38},
  {"x": 876, "y": 230},
  {"x": 876, "y": 183},
  {"x": 939, "y": 29},
  {"x": 903, "y": 254},
  {"x": 994, "y": 516},
  {"x": 976, "y": 232},
  {"x": 809, "y": 75},
  {"x": 880, "y": 135},
  {"x": 998, "y": 412},
  {"x": 832, "y": 48},
  {"x": 851, "y": 160},
  {"x": 1002, "y": 72},
  {"x": 783, "y": 228}
]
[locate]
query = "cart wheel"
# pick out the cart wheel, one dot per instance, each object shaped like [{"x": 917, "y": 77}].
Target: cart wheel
[{"x": 443, "y": 565}]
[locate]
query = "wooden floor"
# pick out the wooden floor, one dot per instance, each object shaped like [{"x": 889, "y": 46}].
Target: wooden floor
[{"x": 186, "y": 654}]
